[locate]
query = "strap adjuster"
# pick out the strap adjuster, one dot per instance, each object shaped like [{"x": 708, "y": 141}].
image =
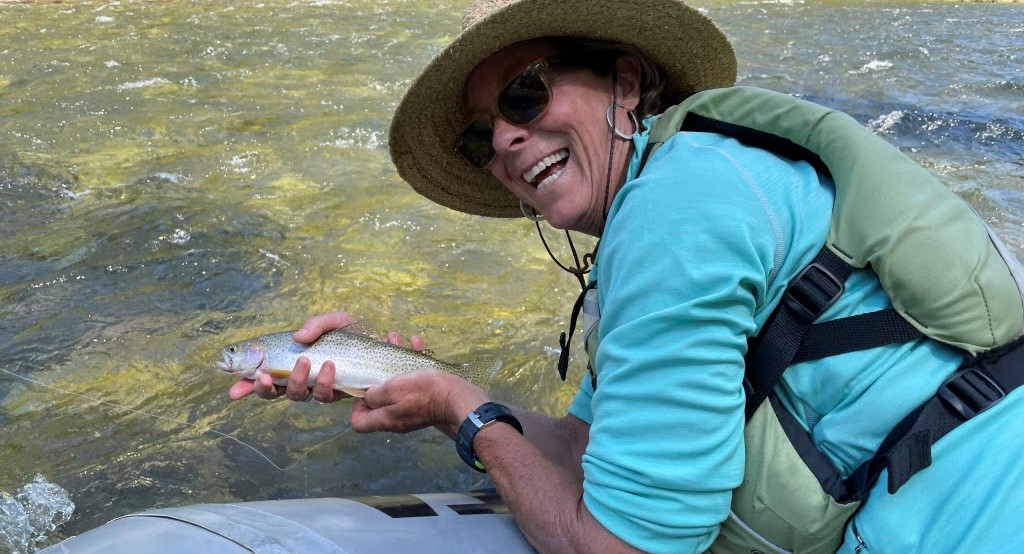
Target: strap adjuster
[
  {"x": 812, "y": 292},
  {"x": 970, "y": 392}
]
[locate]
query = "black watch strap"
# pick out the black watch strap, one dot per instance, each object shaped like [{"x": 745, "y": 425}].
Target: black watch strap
[{"x": 487, "y": 414}]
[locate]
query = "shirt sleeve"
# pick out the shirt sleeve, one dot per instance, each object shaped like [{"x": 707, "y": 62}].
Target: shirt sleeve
[{"x": 684, "y": 263}]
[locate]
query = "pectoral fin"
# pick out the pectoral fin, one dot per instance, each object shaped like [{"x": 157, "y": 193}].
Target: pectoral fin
[
  {"x": 358, "y": 393},
  {"x": 279, "y": 374}
]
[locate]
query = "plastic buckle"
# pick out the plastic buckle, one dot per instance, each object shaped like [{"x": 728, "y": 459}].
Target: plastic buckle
[
  {"x": 970, "y": 392},
  {"x": 813, "y": 291}
]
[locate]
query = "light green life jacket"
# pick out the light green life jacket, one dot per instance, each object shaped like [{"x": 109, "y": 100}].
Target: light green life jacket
[
  {"x": 948, "y": 277},
  {"x": 943, "y": 268}
]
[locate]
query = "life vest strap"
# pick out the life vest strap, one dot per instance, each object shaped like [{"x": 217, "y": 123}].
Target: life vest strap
[
  {"x": 855, "y": 333},
  {"x": 812, "y": 292},
  {"x": 697, "y": 123},
  {"x": 978, "y": 386}
]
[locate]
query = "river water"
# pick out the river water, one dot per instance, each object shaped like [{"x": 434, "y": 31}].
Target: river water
[{"x": 175, "y": 176}]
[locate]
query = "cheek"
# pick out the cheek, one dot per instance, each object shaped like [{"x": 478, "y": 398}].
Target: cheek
[
  {"x": 502, "y": 175},
  {"x": 252, "y": 359}
]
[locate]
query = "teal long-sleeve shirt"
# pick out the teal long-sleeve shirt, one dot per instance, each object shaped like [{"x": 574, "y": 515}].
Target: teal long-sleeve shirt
[{"x": 696, "y": 252}]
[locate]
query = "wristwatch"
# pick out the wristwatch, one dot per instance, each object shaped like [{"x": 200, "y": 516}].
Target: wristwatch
[{"x": 487, "y": 414}]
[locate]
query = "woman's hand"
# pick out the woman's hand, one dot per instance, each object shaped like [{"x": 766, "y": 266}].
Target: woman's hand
[
  {"x": 298, "y": 387},
  {"x": 416, "y": 400}
]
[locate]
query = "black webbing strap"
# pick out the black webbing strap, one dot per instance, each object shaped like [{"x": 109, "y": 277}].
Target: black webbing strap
[
  {"x": 855, "y": 333},
  {"x": 564, "y": 340},
  {"x": 647, "y": 153},
  {"x": 784, "y": 147},
  {"x": 969, "y": 392},
  {"x": 756, "y": 138},
  {"x": 816, "y": 288}
]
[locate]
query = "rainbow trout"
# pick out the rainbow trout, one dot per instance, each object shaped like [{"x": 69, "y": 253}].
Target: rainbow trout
[{"x": 361, "y": 361}]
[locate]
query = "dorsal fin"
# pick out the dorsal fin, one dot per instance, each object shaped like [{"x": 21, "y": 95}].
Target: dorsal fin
[{"x": 364, "y": 328}]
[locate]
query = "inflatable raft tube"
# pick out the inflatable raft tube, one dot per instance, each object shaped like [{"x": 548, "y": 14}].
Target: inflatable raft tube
[{"x": 413, "y": 524}]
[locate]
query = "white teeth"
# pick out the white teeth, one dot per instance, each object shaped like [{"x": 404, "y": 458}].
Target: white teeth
[
  {"x": 534, "y": 171},
  {"x": 551, "y": 178}
]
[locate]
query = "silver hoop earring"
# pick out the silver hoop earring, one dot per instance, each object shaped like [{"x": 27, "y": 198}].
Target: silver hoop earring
[
  {"x": 535, "y": 217},
  {"x": 632, "y": 120}
]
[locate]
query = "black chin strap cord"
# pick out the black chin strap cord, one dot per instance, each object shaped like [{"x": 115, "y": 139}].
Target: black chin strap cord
[
  {"x": 611, "y": 151},
  {"x": 565, "y": 339},
  {"x": 579, "y": 270}
]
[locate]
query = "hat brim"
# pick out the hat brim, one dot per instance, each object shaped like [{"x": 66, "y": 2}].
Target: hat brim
[{"x": 690, "y": 49}]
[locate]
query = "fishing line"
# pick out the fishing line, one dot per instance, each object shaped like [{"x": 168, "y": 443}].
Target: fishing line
[{"x": 345, "y": 429}]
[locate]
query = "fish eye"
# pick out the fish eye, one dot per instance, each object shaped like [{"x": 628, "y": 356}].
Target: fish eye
[{"x": 231, "y": 349}]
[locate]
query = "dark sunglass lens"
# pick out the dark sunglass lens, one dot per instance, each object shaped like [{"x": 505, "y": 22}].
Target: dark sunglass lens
[
  {"x": 475, "y": 143},
  {"x": 525, "y": 98}
]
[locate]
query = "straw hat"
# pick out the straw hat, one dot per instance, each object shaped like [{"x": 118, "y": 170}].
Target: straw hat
[{"x": 690, "y": 49}]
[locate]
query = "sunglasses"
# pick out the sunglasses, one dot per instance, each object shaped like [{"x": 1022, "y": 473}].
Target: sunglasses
[{"x": 525, "y": 98}]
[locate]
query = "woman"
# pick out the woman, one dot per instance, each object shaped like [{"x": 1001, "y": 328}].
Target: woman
[{"x": 542, "y": 107}]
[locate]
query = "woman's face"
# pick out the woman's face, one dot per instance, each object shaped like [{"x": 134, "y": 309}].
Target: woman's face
[{"x": 568, "y": 144}]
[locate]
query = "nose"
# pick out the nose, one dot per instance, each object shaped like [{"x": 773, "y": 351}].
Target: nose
[{"x": 508, "y": 137}]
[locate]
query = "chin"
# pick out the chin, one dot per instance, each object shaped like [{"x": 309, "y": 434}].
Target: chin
[
  {"x": 560, "y": 221},
  {"x": 564, "y": 217}
]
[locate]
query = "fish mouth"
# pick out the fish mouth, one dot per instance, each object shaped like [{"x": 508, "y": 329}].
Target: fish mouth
[{"x": 225, "y": 366}]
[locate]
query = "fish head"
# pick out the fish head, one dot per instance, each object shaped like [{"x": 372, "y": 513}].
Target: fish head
[{"x": 244, "y": 359}]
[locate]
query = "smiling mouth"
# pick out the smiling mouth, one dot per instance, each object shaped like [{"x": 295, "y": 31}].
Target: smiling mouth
[{"x": 547, "y": 170}]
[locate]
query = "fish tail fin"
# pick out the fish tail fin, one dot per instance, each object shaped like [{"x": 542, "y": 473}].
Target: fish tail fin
[{"x": 480, "y": 371}]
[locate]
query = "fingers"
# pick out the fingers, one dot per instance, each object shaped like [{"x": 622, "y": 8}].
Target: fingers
[
  {"x": 320, "y": 324},
  {"x": 298, "y": 387},
  {"x": 414, "y": 401},
  {"x": 240, "y": 389},
  {"x": 371, "y": 420},
  {"x": 377, "y": 397},
  {"x": 323, "y": 388},
  {"x": 378, "y": 411},
  {"x": 415, "y": 341},
  {"x": 265, "y": 388}
]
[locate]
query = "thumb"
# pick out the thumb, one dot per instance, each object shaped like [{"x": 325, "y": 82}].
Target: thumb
[
  {"x": 306, "y": 335},
  {"x": 366, "y": 419}
]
